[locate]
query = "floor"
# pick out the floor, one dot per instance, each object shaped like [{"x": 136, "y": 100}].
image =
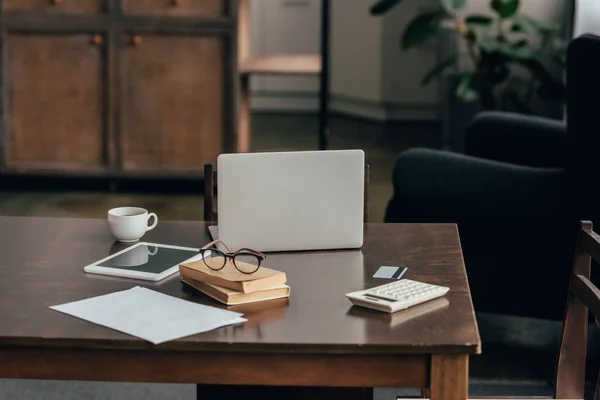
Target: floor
[
  {"x": 381, "y": 143},
  {"x": 501, "y": 372}
]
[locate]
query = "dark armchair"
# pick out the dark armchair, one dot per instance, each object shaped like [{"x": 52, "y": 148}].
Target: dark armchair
[
  {"x": 519, "y": 139},
  {"x": 519, "y": 184}
]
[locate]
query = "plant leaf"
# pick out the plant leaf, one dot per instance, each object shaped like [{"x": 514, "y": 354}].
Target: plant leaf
[
  {"x": 438, "y": 69},
  {"x": 422, "y": 28},
  {"x": 526, "y": 24},
  {"x": 449, "y": 25},
  {"x": 454, "y": 5},
  {"x": 465, "y": 91},
  {"x": 478, "y": 20},
  {"x": 520, "y": 50},
  {"x": 485, "y": 41},
  {"x": 559, "y": 47},
  {"x": 521, "y": 43},
  {"x": 505, "y": 8},
  {"x": 383, "y": 6}
]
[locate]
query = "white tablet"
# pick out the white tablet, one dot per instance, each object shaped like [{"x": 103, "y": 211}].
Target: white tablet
[{"x": 147, "y": 261}]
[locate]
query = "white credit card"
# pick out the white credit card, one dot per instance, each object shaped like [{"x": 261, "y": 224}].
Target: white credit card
[{"x": 386, "y": 272}]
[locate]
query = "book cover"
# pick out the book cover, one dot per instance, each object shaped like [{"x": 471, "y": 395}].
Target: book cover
[
  {"x": 231, "y": 297},
  {"x": 229, "y": 277}
]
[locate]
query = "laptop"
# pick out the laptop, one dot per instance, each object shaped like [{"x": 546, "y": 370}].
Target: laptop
[{"x": 291, "y": 201}]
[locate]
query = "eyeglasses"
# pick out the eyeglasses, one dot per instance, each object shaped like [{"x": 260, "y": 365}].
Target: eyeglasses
[{"x": 246, "y": 261}]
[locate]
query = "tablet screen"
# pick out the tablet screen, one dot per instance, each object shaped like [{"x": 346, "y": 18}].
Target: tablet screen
[{"x": 148, "y": 258}]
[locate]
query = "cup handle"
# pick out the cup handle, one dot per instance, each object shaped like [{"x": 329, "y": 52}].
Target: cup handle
[
  {"x": 153, "y": 252},
  {"x": 149, "y": 228}
]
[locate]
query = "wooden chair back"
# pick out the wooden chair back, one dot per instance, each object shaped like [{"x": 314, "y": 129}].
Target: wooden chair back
[
  {"x": 210, "y": 193},
  {"x": 583, "y": 296}
]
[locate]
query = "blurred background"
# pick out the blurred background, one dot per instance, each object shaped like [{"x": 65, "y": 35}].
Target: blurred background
[{"x": 98, "y": 114}]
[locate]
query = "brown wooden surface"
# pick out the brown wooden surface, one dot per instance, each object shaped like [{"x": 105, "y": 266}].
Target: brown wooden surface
[
  {"x": 223, "y": 368},
  {"x": 244, "y": 124},
  {"x": 449, "y": 377},
  {"x": 65, "y": 6},
  {"x": 587, "y": 292},
  {"x": 175, "y": 7},
  {"x": 314, "y": 338},
  {"x": 55, "y": 99},
  {"x": 64, "y": 22},
  {"x": 244, "y": 50},
  {"x": 318, "y": 318},
  {"x": 570, "y": 373},
  {"x": 282, "y": 64},
  {"x": 590, "y": 242},
  {"x": 173, "y": 104},
  {"x": 244, "y": 30}
]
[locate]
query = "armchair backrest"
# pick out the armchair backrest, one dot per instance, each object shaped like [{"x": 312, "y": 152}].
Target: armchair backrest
[{"x": 583, "y": 125}]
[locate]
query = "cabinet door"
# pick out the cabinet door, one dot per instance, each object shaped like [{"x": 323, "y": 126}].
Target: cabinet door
[
  {"x": 176, "y": 7},
  {"x": 68, "y": 6},
  {"x": 55, "y": 101},
  {"x": 172, "y": 102}
]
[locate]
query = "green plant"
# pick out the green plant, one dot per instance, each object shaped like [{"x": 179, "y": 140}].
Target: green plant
[{"x": 499, "y": 45}]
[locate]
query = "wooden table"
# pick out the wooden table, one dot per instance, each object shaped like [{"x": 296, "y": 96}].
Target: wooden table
[{"x": 315, "y": 339}]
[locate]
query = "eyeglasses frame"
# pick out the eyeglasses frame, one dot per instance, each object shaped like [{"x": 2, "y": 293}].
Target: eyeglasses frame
[{"x": 232, "y": 254}]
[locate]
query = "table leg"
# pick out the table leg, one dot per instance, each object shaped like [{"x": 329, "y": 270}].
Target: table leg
[{"x": 449, "y": 377}]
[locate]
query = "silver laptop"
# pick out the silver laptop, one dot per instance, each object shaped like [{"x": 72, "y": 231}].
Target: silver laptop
[{"x": 287, "y": 201}]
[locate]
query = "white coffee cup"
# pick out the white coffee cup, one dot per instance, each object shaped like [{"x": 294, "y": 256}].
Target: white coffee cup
[{"x": 129, "y": 224}]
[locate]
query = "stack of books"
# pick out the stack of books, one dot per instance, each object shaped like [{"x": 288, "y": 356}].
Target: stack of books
[{"x": 232, "y": 287}]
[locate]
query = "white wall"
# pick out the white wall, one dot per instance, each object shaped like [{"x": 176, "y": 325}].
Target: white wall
[
  {"x": 356, "y": 59},
  {"x": 291, "y": 27},
  {"x": 355, "y": 50},
  {"x": 404, "y": 96},
  {"x": 371, "y": 76},
  {"x": 587, "y": 17}
]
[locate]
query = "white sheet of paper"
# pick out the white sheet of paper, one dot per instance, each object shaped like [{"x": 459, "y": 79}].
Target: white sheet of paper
[{"x": 150, "y": 315}]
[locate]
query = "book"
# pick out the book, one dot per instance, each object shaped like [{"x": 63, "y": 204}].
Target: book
[
  {"x": 261, "y": 307},
  {"x": 260, "y": 312},
  {"x": 231, "y": 297},
  {"x": 229, "y": 277}
]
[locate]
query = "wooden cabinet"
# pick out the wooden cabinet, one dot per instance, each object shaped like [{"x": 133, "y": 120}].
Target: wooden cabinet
[
  {"x": 117, "y": 87},
  {"x": 55, "y": 99},
  {"x": 176, "y": 7},
  {"x": 184, "y": 83},
  {"x": 68, "y": 6}
]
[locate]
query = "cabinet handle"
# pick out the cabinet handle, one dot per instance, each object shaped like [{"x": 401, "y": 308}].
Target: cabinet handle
[
  {"x": 97, "y": 39},
  {"x": 56, "y": 2},
  {"x": 136, "y": 40}
]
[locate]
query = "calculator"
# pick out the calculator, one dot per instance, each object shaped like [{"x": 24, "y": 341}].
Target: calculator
[{"x": 396, "y": 296}]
